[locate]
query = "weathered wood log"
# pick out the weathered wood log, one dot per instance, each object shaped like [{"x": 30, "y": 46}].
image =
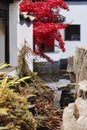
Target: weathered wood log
[{"x": 80, "y": 66}]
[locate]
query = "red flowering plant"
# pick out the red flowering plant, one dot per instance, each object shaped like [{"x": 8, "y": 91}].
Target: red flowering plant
[{"x": 46, "y": 27}]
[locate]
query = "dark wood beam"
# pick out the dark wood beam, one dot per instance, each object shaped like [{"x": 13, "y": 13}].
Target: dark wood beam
[{"x": 8, "y": 1}]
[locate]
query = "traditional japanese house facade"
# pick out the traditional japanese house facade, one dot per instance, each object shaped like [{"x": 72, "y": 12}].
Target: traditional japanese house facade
[
  {"x": 74, "y": 35},
  {"x": 13, "y": 32}
]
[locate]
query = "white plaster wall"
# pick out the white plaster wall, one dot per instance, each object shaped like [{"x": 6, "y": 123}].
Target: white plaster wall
[
  {"x": 26, "y": 33},
  {"x": 18, "y": 33},
  {"x": 2, "y": 41},
  {"x": 13, "y": 21},
  {"x": 77, "y": 14}
]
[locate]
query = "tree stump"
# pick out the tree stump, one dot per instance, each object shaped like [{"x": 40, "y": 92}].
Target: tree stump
[{"x": 80, "y": 67}]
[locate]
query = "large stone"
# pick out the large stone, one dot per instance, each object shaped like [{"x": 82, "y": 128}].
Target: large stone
[
  {"x": 82, "y": 109},
  {"x": 75, "y": 115},
  {"x": 82, "y": 123},
  {"x": 71, "y": 64},
  {"x": 81, "y": 106},
  {"x": 83, "y": 89},
  {"x": 69, "y": 120},
  {"x": 80, "y": 66},
  {"x": 71, "y": 69}
]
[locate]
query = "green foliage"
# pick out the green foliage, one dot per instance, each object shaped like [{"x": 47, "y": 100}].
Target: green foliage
[
  {"x": 3, "y": 65},
  {"x": 6, "y": 81},
  {"x": 14, "y": 114},
  {"x": 23, "y": 64}
]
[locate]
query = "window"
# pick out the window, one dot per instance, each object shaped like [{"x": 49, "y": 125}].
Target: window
[
  {"x": 44, "y": 48},
  {"x": 47, "y": 49},
  {"x": 72, "y": 33}
]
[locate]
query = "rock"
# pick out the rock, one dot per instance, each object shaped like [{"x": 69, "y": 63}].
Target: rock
[
  {"x": 83, "y": 85},
  {"x": 66, "y": 98},
  {"x": 81, "y": 106},
  {"x": 72, "y": 76},
  {"x": 71, "y": 64},
  {"x": 83, "y": 89},
  {"x": 63, "y": 64},
  {"x": 75, "y": 115},
  {"x": 80, "y": 66},
  {"x": 71, "y": 69},
  {"x": 82, "y": 123},
  {"x": 77, "y": 67},
  {"x": 62, "y": 83},
  {"x": 67, "y": 93},
  {"x": 67, "y": 86},
  {"x": 63, "y": 92},
  {"x": 69, "y": 120}
]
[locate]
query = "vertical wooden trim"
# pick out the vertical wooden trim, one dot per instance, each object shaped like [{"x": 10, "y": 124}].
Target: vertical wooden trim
[
  {"x": 4, "y": 7},
  {"x": 7, "y": 39}
]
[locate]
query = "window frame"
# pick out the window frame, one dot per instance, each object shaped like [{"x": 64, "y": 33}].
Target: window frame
[{"x": 72, "y": 33}]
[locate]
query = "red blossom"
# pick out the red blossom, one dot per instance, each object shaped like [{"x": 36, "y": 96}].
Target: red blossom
[{"x": 45, "y": 29}]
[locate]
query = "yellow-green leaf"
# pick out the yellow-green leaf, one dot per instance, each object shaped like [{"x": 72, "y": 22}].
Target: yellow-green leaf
[
  {"x": 24, "y": 78},
  {"x": 4, "y": 111},
  {"x": 3, "y": 128},
  {"x": 3, "y": 65}
]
